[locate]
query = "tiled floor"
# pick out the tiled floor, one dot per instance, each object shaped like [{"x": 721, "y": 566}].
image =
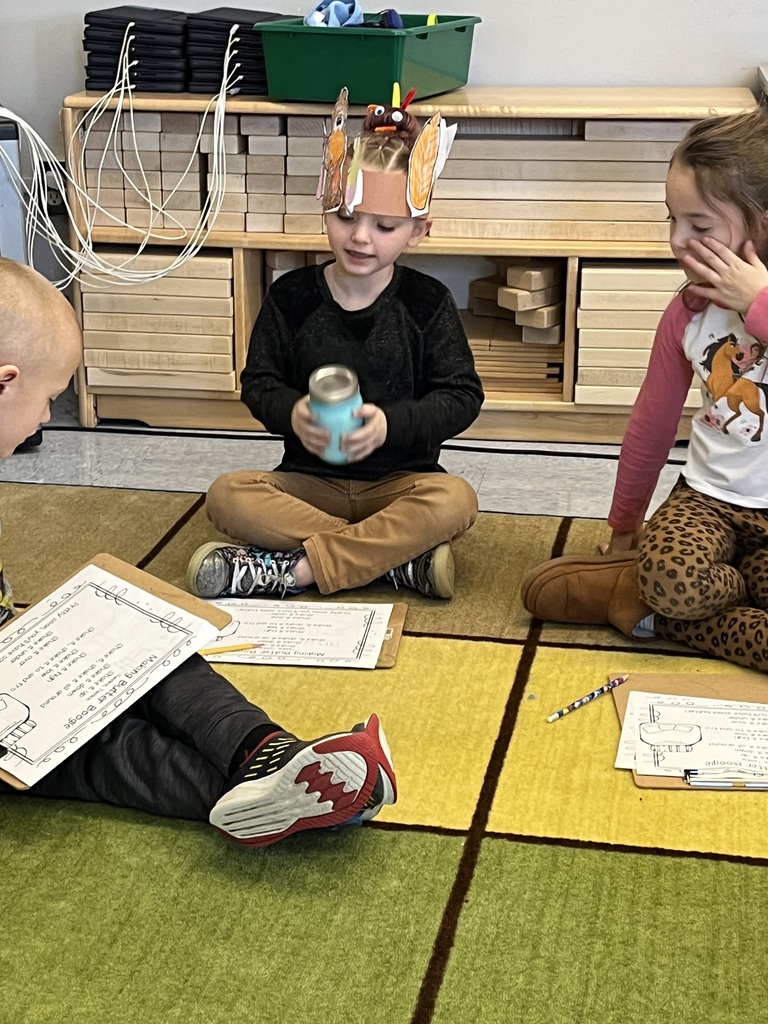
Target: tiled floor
[{"x": 509, "y": 476}]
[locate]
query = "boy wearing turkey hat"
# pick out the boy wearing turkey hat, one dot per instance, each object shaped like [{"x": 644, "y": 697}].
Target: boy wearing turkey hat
[{"x": 389, "y": 511}]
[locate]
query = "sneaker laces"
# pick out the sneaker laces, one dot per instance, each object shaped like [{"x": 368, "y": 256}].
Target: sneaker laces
[
  {"x": 413, "y": 573},
  {"x": 269, "y": 572}
]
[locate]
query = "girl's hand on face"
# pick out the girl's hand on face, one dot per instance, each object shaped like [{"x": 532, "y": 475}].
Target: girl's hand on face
[
  {"x": 315, "y": 439},
  {"x": 366, "y": 439},
  {"x": 726, "y": 278}
]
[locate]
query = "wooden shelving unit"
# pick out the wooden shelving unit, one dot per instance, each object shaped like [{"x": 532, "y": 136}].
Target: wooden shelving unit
[{"x": 502, "y": 417}]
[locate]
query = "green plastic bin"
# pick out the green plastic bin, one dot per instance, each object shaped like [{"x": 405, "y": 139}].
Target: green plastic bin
[{"x": 312, "y": 63}]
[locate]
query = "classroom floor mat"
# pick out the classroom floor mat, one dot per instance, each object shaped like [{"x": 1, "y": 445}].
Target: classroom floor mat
[
  {"x": 559, "y": 781},
  {"x": 49, "y": 531}
]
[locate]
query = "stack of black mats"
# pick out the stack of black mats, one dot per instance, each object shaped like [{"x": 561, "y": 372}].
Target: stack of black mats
[
  {"x": 158, "y": 47},
  {"x": 207, "y": 37}
]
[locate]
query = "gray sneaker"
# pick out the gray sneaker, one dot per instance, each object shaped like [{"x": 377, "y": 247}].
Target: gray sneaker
[
  {"x": 431, "y": 574},
  {"x": 226, "y": 570}
]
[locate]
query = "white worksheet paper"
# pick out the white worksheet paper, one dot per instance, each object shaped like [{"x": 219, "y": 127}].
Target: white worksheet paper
[
  {"x": 78, "y": 659},
  {"x": 665, "y": 734},
  {"x": 328, "y": 635}
]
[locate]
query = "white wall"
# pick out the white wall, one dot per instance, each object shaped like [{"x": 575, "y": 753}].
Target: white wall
[{"x": 520, "y": 42}]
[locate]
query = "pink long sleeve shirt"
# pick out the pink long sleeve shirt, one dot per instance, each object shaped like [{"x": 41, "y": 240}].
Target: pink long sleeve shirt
[{"x": 727, "y": 453}]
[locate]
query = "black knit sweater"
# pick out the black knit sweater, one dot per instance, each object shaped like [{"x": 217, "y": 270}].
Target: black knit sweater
[{"x": 408, "y": 349}]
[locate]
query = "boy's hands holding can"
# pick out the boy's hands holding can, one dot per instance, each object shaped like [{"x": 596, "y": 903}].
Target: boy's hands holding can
[
  {"x": 366, "y": 439},
  {"x": 304, "y": 425}
]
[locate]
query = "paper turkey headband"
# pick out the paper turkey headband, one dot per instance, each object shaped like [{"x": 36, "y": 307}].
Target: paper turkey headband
[{"x": 390, "y": 169}]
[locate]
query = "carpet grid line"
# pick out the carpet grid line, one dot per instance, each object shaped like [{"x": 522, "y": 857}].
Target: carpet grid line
[
  {"x": 434, "y": 975},
  {"x": 171, "y": 532}
]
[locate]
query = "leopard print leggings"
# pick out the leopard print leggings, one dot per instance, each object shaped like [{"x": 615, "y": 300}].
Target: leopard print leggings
[{"x": 703, "y": 568}]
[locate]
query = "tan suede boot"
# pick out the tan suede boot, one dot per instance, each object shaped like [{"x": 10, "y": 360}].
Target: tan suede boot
[{"x": 595, "y": 590}]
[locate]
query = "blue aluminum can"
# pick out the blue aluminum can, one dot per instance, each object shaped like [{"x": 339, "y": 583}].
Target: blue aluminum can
[{"x": 334, "y": 394}]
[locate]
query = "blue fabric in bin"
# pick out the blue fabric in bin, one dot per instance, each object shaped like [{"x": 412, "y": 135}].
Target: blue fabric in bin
[{"x": 335, "y": 14}]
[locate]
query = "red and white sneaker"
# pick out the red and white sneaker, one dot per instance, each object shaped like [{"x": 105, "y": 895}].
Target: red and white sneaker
[{"x": 287, "y": 785}]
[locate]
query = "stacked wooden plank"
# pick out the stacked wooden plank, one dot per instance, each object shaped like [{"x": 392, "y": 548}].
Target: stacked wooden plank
[
  {"x": 174, "y": 332},
  {"x": 604, "y": 183},
  {"x": 531, "y": 292},
  {"x": 506, "y": 365},
  {"x": 267, "y": 146},
  {"x": 620, "y": 305}
]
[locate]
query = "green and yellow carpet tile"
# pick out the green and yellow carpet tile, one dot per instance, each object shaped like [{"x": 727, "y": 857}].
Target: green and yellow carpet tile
[{"x": 519, "y": 878}]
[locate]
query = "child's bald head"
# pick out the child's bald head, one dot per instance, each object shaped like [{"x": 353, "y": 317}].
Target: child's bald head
[{"x": 40, "y": 349}]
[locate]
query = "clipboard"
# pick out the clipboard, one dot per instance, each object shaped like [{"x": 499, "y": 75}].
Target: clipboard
[
  {"x": 752, "y": 688},
  {"x": 393, "y": 636},
  {"x": 143, "y": 580}
]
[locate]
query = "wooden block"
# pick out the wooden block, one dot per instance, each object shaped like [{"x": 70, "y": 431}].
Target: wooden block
[
  {"x": 505, "y": 332},
  {"x": 302, "y": 204},
  {"x": 308, "y": 147},
  {"x": 266, "y": 204},
  {"x": 619, "y": 318},
  {"x": 264, "y": 222},
  {"x": 560, "y": 149},
  {"x": 546, "y": 209},
  {"x": 266, "y": 165},
  {"x": 636, "y": 131},
  {"x": 266, "y": 145},
  {"x": 182, "y": 181},
  {"x": 485, "y": 287},
  {"x": 97, "y": 377},
  {"x": 141, "y": 121},
  {"x": 107, "y": 218},
  {"x": 101, "y": 284},
  {"x": 143, "y": 217},
  {"x": 102, "y": 140},
  {"x": 166, "y": 305},
  {"x": 93, "y": 158},
  {"x": 611, "y": 395},
  {"x": 302, "y": 166},
  {"x": 178, "y": 142},
  {"x": 140, "y": 161},
  {"x": 262, "y": 124},
  {"x": 227, "y": 221},
  {"x": 581, "y": 231},
  {"x": 606, "y": 338},
  {"x": 261, "y": 184},
  {"x": 215, "y": 267},
  {"x": 543, "y": 335},
  {"x": 630, "y": 357},
  {"x": 173, "y": 201},
  {"x": 110, "y": 198},
  {"x": 137, "y": 182},
  {"x": 142, "y": 341},
  {"x": 271, "y": 275},
  {"x": 307, "y": 125},
  {"x": 179, "y": 124},
  {"x": 319, "y": 258},
  {"x": 229, "y": 144},
  {"x": 301, "y": 186},
  {"x": 236, "y": 163},
  {"x": 560, "y": 191},
  {"x": 150, "y": 360},
  {"x": 544, "y": 316},
  {"x": 625, "y": 300},
  {"x": 107, "y": 179},
  {"x": 234, "y": 202},
  {"x": 489, "y": 307},
  {"x": 194, "y": 163},
  {"x": 519, "y": 299},
  {"x": 611, "y": 376},
  {"x": 284, "y": 259},
  {"x": 157, "y": 323},
  {"x": 234, "y": 182},
  {"x": 535, "y": 170},
  {"x": 666, "y": 276},
  {"x": 140, "y": 142},
  {"x": 534, "y": 275},
  {"x": 302, "y": 224}
]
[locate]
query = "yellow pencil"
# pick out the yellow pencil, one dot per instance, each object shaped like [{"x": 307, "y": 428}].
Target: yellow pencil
[{"x": 229, "y": 650}]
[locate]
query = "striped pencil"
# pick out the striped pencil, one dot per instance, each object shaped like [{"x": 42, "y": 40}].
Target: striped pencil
[{"x": 610, "y": 685}]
